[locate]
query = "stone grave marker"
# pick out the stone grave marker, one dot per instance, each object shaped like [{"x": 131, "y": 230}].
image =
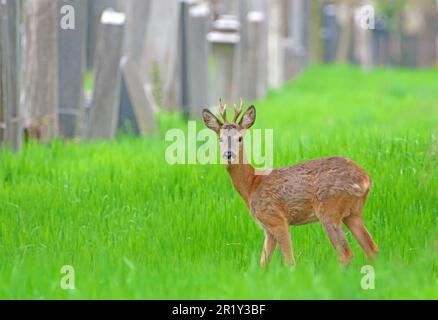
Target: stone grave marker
[{"x": 106, "y": 96}]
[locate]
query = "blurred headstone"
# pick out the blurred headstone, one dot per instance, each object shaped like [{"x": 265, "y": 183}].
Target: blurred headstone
[
  {"x": 72, "y": 35},
  {"x": 160, "y": 59},
  {"x": 137, "y": 17},
  {"x": 315, "y": 43},
  {"x": 183, "y": 54},
  {"x": 364, "y": 25},
  {"x": 41, "y": 71},
  {"x": 255, "y": 79},
  {"x": 395, "y": 42},
  {"x": 276, "y": 41},
  {"x": 10, "y": 116},
  {"x": 197, "y": 58},
  {"x": 329, "y": 31},
  {"x": 241, "y": 68},
  {"x": 135, "y": 114},
  {"x": 381, "y": 41},
  {"x": 224, "y": 38},
  {"x": 95, "y": 10},
  {"x": 239, "y": 9},
  {"x": 344, "y": 20},
  {"x": 413, "y": 26},
  {"x": 427, "y": 50},
  {"x": 297, "y": 45},
  {"x": 106, "y": 96}
]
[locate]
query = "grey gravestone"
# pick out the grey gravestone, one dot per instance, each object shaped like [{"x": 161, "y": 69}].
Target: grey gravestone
[
  {"x": 41, "y": 71},
  {"x": 381, "y": 41},
  {"x": 137, "y": 14},
  {"x": 160, "y": 61},
  {"x": 363, "y": 40},
  {"x": 239, "y": 9},
  {"x": 276, "y": 37},
  {"x": 197, "y": 58},
  {"x": 10, "y": 120},
  {"x": 224, "y": 38},
  {"x": 255, "y": 79},
  {"x": 297, "y": 44},
  {"x": 242, "y": 68},
  {"x": 106, "y": 96},
  {"x": 95, "y": 10},
  {"x": 329, "y": 31},
  {"x": 72, "y": 67},
  {"x": 344, "y": 20},
  {"x": 135, "y": 115},
  {"x": 183, "y": 21}
]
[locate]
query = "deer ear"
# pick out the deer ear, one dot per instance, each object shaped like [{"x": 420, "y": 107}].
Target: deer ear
[
  {"x": 211, "y": 121},
  {"x": 248, "y": 118}
]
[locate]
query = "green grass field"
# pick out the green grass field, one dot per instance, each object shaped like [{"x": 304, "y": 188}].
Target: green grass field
[{"x": 133, "y": 226}]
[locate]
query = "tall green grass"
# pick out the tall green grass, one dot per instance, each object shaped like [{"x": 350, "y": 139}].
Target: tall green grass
[{"x": 133, "y": 226}]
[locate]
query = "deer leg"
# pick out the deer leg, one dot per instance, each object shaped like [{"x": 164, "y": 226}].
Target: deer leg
[
  {"x": 268, "y": 248},
  {"x": 281, "y": 234},
  {"x": 355, "y": 224},
  {"x": 338, "y": 240}
]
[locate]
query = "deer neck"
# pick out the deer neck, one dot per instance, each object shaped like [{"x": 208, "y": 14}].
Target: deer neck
[{"x": 242, "y": 176}]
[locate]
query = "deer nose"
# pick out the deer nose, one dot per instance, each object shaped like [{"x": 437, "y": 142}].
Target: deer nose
[{"x": 228, "y": 155}]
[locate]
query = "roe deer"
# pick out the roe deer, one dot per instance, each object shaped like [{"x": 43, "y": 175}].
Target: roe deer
[{"x": 331, "y": 190}]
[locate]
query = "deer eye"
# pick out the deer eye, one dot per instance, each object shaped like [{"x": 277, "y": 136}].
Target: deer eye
[
  {"x": 221, "y": 140},
  {"x": 240, "y": 139}
]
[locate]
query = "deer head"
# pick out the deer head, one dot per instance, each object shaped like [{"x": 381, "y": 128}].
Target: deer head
[{"x": 231, "y": 134}]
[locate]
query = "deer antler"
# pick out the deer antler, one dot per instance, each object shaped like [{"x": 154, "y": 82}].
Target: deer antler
[
  {"x": 223, "y": 111},
  {"x": 237, "y": 111}
]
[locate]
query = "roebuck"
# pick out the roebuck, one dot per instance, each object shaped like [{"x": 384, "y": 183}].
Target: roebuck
[{"x": 329, "y": 190}]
